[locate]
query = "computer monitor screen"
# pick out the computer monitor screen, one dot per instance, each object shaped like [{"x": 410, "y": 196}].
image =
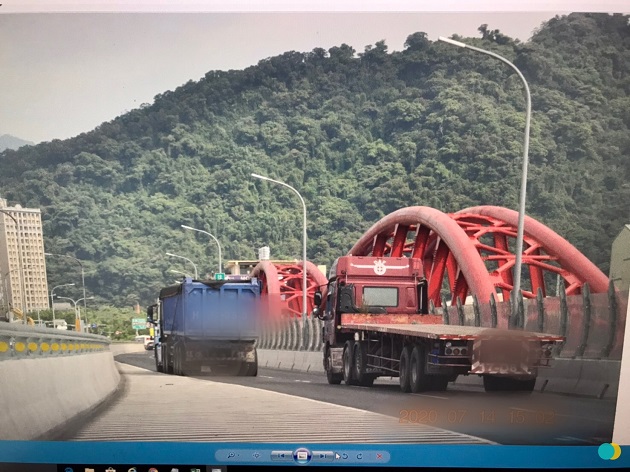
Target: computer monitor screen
[{"x": 327, "y": 236}]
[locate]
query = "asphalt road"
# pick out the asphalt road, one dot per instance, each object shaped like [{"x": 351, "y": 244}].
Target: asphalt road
[{"x": 536, "y": 419}]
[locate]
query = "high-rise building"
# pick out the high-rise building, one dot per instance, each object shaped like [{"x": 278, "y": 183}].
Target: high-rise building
[{"x": 22, "y": 261}]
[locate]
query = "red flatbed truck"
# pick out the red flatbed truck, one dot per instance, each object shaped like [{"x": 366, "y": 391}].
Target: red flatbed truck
[{"x": 377, "y": 323}]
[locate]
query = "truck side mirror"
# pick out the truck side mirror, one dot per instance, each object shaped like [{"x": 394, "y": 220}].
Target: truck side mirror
[
  {"x": 317, "y": 298},
  {"x": 150, "y": 314}
]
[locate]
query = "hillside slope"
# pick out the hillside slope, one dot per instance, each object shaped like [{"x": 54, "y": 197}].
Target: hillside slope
[{"x": 360, "y": 135}]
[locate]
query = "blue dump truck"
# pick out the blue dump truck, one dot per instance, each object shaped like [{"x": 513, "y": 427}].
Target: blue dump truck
[{"x": 207, "y": 327}]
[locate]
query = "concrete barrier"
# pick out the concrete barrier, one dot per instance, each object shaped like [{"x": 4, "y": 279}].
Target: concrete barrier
[
  {"x": 39, "y": 395},
  {"x": 301, "y": 361},
  {"x": 126, "y": 348},
  {"x": 47, "y": 377}
]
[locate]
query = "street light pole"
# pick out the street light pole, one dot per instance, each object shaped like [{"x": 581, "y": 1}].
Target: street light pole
[
  {"x": 52, "y": 299},
  {"x": 304, "y": 284},
  {"x": 185, "y": 258},
  {"x": 85, "y": 312},
  {"x": 20, "y": 265},
  {"x": 7, "y": 279},
  {"x": 521, "y": 208},
  {"x": 215, "y": 239},
  {"x": 82, "y": 276},
  {"x": 76, "y": 316}
]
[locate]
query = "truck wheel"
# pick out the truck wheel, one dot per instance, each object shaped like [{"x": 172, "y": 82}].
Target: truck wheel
[
  {"x": 348, "y": 371},
  {"x": 250, "y": 369},
  {"x": 359, "y": 364},
  {"x": 176, "y": 361},
  {"x": 179, "y": 361},
  {"x": 158, "y": 367},
  {"x": 404, "y": 370},
  {"x": 332, "y": 377},
  {"x": 418, "y": 379},
  {"x": 167, "y": 361}
]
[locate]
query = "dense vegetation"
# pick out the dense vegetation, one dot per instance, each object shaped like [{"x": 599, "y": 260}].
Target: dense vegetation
[
  {"x": 360, "y": 135},
  {"x": 114, "y": 322}
]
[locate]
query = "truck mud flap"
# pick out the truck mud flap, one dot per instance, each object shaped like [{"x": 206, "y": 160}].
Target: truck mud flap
[{"x": 336, "y": 355}]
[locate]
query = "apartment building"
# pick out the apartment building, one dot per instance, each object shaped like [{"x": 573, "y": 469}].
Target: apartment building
[{"x": 22, "y": 263}]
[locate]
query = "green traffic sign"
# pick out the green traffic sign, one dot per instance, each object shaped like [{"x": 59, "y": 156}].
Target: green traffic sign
[
  {"x": 139, "y": 323},
  {"x": 219, "y": 276}
]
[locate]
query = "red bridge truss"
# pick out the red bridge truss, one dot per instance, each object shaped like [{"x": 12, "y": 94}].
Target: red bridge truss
[
  {"x": 282, "y": 284},
  {"x": 470, "y": 252}
]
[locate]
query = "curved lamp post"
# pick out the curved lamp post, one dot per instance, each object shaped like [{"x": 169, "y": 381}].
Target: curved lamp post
[
  {"x": 215, "y": 239},
  {"x": 304, "y": 285},
  {"x": 82, "y": 276},
  {"x": 186, "y": 259},
  {"x": 52, "y": 299},
  {"x": 521, "y": 208}
]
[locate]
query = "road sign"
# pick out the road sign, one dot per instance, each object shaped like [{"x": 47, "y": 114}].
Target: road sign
[
  {"x": 139, "y": 323},
  {"x": 219, "y": 276}
]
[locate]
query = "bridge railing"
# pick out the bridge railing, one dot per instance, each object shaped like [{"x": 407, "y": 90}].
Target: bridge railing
[
  {"x": 593, "y": 324},
  {"x": 20, "y": 342}
]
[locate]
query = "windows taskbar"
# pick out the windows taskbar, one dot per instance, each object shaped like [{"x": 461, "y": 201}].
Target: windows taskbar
[{"x": 185, "y": 457}]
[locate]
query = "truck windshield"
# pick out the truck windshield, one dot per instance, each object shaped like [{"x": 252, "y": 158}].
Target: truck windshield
[{"x": 380, "y": 296}]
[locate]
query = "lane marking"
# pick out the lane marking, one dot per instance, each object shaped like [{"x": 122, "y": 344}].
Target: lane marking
[
  {"x": 571, "y": 438},
  {"x": 266, "y": 377},
  {"x": 430, "y": 396},
  {"x": 303, "y": 381}
]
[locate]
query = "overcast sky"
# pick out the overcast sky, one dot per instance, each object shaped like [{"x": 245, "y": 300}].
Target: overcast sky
[{"x": 63, "y": 74}]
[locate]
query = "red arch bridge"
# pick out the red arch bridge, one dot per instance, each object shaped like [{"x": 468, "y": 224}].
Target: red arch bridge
[{"x": 470, "y": 252}]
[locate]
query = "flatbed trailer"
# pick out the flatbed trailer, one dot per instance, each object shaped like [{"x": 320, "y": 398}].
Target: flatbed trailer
[
  {"x": 377, "y": 324},
  {"x": 427, "y": 356}
]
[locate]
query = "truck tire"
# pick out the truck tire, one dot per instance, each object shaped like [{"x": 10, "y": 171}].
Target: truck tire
[
  {"x": 418, "y": 379},
  {"x": 250, "y": 369},
  {"x": 178, "y": 361},
  {"x": 348, "y": 371},
  {"x": 332, "y": 377},
  {"x": 166, "y": 360},
  {"x": 158, "y": 367},
  {"x": 359, "y": 364},
  {"x": 404, "y": 369},
  {"x": 175, "y": 361}
]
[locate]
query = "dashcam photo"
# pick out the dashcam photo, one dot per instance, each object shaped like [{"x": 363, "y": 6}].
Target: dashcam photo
[{"x": 358, "y": 228}]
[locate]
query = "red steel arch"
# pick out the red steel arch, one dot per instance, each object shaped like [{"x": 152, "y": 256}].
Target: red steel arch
[
  {"x": 470, "y": 252},
  {"x": 282, "y": 285},
  {"x": 443, "y": 246},
  {"x": 492, "y": 228}
]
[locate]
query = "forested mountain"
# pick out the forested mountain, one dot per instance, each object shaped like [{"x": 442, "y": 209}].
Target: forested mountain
[{"x": 359, "y": 134}]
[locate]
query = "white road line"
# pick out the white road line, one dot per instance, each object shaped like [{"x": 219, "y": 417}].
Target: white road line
[
  {"x": 571, "y": 438},
  {"x": 431, "y": 396},
  {"x": 266, "y": 377}
]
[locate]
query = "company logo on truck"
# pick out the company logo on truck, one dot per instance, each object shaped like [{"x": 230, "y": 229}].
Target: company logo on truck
[{"x": 379, "y": 267}]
